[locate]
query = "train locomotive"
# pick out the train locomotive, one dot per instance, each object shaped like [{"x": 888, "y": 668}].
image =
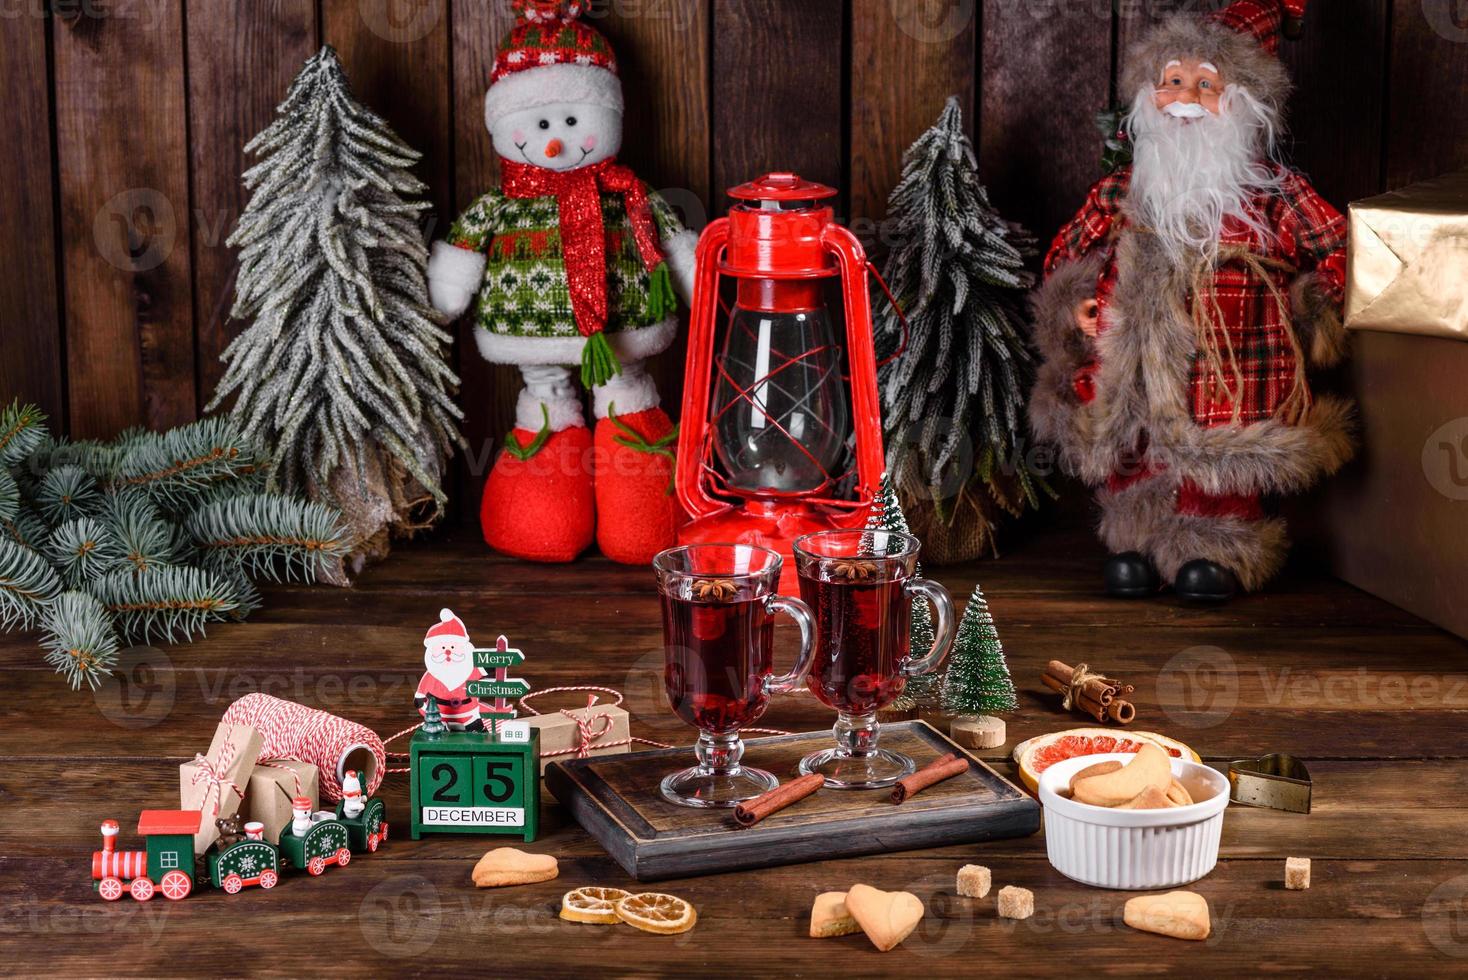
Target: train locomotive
[{"x": 312, "y": 843}]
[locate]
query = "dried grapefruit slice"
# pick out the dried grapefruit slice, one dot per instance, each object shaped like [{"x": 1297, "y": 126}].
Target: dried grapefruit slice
[
  {"x": 591, "y": 904},
  {"x": 1043, "y": 751},
  {"x": 656, "y": 912}
]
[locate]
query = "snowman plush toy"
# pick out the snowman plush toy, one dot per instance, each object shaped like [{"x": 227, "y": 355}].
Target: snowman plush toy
[{"x": 571, "y": 264}]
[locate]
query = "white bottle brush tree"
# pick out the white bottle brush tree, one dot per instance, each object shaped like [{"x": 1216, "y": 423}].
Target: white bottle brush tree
[
  {"x": 148, "y": 537},
  {"x": 953, "y": 401},
  {"x": 341, "y": 372}
]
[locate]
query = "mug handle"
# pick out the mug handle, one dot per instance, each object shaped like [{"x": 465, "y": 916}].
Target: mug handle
[
  {"x": 943, "y": 630},
  {"x": 806, "y": 620}
]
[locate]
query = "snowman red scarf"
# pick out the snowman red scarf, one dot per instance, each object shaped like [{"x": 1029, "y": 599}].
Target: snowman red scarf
[{"x": 583, "y": 244}]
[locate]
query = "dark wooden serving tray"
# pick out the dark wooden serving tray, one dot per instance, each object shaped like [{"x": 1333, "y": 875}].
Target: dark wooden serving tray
[{"x": 616, "y": 799}]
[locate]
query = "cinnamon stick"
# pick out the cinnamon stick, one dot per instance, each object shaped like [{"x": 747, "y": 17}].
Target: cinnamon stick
[
  {"x": 751, "y": 812},
  {"x": 934, "y": 772}
]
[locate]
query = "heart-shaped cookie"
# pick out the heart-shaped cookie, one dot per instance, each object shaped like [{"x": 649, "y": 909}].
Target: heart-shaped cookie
[
  {"x": 1181, "y": 915},
  {"x": 830, "y": 917},
  {"x": 886, "y": 917},
  {"x": 508, "y": 866}
]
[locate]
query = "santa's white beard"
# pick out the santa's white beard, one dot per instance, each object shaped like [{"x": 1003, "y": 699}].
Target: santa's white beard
[
  {"x": 1190, "y": 176},
  {"x": 454, "y": 674}
]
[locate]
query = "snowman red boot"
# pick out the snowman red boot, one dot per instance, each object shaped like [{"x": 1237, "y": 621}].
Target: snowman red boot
[
  {"x": 538, "y": 502},
  {"x": 636, "y": 511}
]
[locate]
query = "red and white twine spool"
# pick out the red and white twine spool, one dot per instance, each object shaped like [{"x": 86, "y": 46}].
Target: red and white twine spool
[{"x": 294, "y": 731}]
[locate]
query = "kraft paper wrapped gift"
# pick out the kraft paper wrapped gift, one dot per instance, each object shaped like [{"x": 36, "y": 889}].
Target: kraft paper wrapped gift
[
  {"x": 599, "y": 726},
  {"x": 215, "y": 781},
  {"x": 273, "y": 784},
  {"x": 1397, "y": 516}
]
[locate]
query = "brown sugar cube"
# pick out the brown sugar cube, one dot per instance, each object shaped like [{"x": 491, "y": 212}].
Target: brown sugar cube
[
  {"x": 1016, "y": 903},
  {"x": 973, "y": 881},
  {"x": 1297, "y": 874}
]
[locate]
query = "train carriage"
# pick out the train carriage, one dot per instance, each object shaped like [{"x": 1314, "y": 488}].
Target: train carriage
[
  {"x": 245, "y": 863},
  {"x": 326, "y": 843},
  {"x": 368, "y": 830}
]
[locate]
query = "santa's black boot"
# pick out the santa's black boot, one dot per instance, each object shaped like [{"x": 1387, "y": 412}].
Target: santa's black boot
[
  {"x": 1205, "y": 581},
  {"x": 1129, "y": 576}
]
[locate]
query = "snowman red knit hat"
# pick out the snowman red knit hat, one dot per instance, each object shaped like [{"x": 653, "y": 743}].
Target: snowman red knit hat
[
  {"x": 551, "y": 57},
  {"x": 448, "y": 625}
]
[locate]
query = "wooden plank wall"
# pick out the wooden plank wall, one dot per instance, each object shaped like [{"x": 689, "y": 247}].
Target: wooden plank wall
[{"x": 124, "y": 125}]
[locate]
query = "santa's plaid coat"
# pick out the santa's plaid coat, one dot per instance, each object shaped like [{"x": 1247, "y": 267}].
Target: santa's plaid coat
[{"x": 1309, "y": 235}]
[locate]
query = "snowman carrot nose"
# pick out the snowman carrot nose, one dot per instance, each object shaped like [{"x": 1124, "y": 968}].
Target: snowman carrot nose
[{"x": 554, "y": 148}]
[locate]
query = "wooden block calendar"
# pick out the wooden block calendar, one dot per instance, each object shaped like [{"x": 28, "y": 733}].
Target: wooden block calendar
[
  {"x": 472, "y": 783},
  {"x": 616, "y": 799}
]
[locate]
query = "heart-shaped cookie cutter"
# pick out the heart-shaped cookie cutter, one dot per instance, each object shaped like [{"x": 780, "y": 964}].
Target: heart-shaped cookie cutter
[{"x": 1277, "y": 781}]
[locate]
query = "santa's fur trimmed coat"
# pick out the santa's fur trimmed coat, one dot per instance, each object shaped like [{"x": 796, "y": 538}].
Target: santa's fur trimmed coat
[{"x": 1145, "y": 356}]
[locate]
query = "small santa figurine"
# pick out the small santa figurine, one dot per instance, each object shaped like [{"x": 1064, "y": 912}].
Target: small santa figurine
[
  {"x": 352, "y": 805},
  {"x": 1182, "y": 309},
  {"x": 449, "y": 657},
  {"x": 573, "y": 262}
]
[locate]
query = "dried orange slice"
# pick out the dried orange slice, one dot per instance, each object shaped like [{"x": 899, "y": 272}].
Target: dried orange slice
[
  {"x": 591, "y": 904},
  {"x": 656, "y": 912}
]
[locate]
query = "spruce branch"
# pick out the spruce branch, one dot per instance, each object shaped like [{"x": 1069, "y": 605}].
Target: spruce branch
[
  {"x": 9, "y": 497},
  {"x": 66, "y": 493},
  {"x": 145, "y": 539},
  {"x": 81, "y": 550},
  {"x": 27, "y": 586},
  {"x": 22, "y": 429},
  {"x": 26, "y": 529},
  {"x": 78, "y": 638},
  {"x": 268, "y": 536},
  {"x": 176, "y": 467},
  {"x": 168, "y": 604}
]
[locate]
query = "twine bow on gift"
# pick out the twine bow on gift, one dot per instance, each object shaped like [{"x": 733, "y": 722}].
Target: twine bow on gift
[
  {"x": 214, "y": 774},
  {"x": 588, "y": 736}
]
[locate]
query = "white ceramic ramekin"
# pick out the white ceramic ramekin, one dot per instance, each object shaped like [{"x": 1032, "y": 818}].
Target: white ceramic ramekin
[{"x": 1134, "y": 849}]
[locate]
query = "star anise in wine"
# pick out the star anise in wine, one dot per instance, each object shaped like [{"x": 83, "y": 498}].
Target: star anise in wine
[
  {"x": 852, "y": 569},
  {"x": 718, "y": 589}
]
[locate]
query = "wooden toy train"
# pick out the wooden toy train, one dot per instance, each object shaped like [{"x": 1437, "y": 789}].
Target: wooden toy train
[{"x": 311, "y": 842}]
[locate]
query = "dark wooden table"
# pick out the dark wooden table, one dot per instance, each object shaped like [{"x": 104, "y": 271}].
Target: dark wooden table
[{"x": 1375, "y": 700}]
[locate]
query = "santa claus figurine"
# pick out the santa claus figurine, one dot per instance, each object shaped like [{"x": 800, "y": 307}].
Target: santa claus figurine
[
  {"x": 574, "y": 262},
  {"x": 449, "y": 657},
  {"x": 1182, "y": 309}
]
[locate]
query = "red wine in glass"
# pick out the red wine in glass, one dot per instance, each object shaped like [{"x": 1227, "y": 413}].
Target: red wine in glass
[
  {"x": 862, "y": 630},
  {"x": 717, "y": 655}
]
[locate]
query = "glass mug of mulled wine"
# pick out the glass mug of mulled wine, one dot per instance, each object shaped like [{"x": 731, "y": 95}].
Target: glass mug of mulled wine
[
  {"x": 861, "y": 585},
  {"x": 719, "y": 607}
]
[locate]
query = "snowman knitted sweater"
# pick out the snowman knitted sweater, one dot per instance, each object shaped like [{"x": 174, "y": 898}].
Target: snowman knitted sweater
[{"x": 524, "y": 313}]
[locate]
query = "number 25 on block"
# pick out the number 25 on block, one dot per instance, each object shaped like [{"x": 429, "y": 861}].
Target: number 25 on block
[{"x": 467, "y": 783}]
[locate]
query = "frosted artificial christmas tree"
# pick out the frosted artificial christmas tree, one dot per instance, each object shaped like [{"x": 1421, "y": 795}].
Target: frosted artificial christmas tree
[
  {"x": 920, "y": 692},
  {"x": 953, "y": 400},
  {"x": 977, "y": 681},
  {"x": 148, "y": 537},
  {"x": 341, "y": 373}
]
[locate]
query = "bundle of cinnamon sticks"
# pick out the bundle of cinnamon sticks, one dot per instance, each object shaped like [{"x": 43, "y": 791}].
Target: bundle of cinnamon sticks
[{"x": 1090, "y": 692}]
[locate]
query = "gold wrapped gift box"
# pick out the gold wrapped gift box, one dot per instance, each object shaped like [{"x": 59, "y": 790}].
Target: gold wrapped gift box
[
  {"x": 1398, "y": 515},
  {"x": 1409, "y": 260}
]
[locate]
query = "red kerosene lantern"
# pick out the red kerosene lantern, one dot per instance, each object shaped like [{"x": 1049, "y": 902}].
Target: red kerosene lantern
[{"x": 763, "y": 464}]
